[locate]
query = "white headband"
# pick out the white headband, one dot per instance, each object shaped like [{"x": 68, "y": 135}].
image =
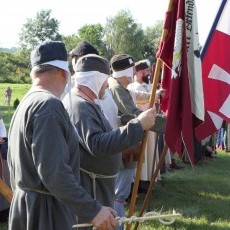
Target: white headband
[
  {"x": 60, "y": 64},
  {"x": 124, "y": 73}
]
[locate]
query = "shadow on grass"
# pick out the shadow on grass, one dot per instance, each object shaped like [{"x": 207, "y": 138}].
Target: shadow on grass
[
  {"x": 184, "y": 225},
  {"x": 201, "y": 195},
  {"x": 3, "y": 226}
]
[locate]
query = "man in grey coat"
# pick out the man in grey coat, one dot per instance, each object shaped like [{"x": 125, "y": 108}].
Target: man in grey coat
[
  {"x": 44, "y": 155},
  {"x": 100, "y": 145}
]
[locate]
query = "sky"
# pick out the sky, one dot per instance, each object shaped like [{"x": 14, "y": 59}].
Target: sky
[{"x": 73, "y": 14}]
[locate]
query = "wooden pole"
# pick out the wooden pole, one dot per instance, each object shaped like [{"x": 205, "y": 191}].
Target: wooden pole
[
  {"x": 6, "y": 191},
  {"x": 154, "y": 162},
  {"x": 141, "y": 157},
  {"x": 152, "y": 183},
  {"x": 151, "y": 102}
]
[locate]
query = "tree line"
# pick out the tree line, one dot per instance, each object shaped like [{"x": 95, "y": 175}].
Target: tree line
[{"x": 121, "y": 34}]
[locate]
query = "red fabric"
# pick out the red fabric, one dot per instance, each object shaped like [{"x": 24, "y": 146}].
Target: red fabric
[
  {"x": 210, "y": 126},
  {"x": 165, "y": 51},
  {"x": 216, "y": 91},
  {"x": 166, "y": 85},
  {"x": 179, "y": 125}
]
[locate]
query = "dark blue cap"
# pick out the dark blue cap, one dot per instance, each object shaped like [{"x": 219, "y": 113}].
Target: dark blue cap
[
  {"x": 48, "y": 51},
  {"x": 83, "y": 48},
  {"x": 121, "y": 62}
]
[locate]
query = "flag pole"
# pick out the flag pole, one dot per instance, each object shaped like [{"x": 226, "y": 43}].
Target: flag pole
[
  {"x": 6, "y": 191},
  {"x": 222, "y": 5},
  {"x": 154, "y": 164},
  {"x": 141, "y": 157},
  {"x": 152, "y": 184},
  {"x": 151, "y": 103}
]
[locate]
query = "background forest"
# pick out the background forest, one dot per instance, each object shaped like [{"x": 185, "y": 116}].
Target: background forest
[{"x": 121, "y": 34}]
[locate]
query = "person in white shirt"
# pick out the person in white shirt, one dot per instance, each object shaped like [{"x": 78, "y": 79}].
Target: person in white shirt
[{"x": 141, "y": 83}]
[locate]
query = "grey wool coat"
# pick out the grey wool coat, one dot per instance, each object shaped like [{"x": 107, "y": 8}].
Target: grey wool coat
[
  {"x": 100, "y": 146},
  {"x": 44, "y": 166}
]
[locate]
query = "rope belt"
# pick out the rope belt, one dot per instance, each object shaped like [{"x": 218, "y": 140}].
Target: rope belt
[
  {"x": 94, "y": 176},
  {"x": 36, "y": 190}
]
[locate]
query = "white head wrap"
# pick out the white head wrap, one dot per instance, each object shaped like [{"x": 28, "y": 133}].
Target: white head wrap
[{"x": 91, "y": 79}]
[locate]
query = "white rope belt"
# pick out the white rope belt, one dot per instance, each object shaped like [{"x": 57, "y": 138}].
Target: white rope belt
[
  {"x": 145, "y": 217},
  {"x": 94, "y": 176},
  {"x": 35, "y": 190}
]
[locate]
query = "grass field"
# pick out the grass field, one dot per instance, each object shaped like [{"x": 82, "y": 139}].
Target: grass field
[
  {"x": 201, "y": 195},
  {"x": 18, "y": 91}
]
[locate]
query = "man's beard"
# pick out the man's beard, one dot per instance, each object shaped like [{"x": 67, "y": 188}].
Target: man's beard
[{"x": 145, "y": 79}]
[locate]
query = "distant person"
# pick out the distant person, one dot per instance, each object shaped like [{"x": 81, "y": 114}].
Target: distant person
[
  {"x": 8, "y": 94},
  {"x": 44, "y": 155},
  {"x": 221, "y": 137}
]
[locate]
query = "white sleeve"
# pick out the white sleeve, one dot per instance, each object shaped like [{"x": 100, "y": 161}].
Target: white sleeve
[{"x": 3, "y": 132}]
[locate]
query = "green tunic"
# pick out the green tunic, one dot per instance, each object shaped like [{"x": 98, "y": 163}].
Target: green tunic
[
  {"x": 44, "y": 156},
  {"x": 123, "y": 99},
  {"x": 126, "y": 105}
]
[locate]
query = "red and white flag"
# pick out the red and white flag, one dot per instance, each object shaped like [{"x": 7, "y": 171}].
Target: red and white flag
[
  {"x": 216, "y": 74},
  {"x": 185, "y": 99}
]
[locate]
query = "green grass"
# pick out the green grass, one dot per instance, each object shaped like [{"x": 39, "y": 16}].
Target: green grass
[
  {"x": 18, "y": 91},
  {"x": 201, "y": 195}
]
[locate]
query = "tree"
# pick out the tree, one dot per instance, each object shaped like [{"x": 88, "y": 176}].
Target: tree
[
  {"x": 39, "y": 29},
  {"x": 124, "y": 35},
  {"x": 14, "y": 68},
  {"x": 70, "y": 41},
  {"x": 94, "y": 33},
  {"x": 152, "y": 41}
]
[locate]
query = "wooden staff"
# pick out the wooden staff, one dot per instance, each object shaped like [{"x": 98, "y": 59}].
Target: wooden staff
[
  {"x": 6, "y": 191},
  {"x": 152, "y": 184},
  {"x": 154, "y": 163},
  {"x": 151, "y": 102},
  {"x": 141, "y": 157}
]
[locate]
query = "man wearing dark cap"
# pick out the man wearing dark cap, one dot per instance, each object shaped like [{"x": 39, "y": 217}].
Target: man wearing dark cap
[
  {"x": 44, "y": 154},
  {"x": 100, "y": 145},
  {"x": 122, "y": 66},
  {"x": 143, "y": 70},
  {"x": 123, "y": 71},
  {"x": 82, "y": 48},
  {"x": 141, "y": 83}
]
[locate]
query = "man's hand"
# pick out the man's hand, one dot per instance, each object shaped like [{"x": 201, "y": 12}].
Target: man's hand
[
  {"x": 147, "y": 118},
  {"x": 105, "y": 219},
  {"x": 1, "y": 140},
  {"x": 160, "y": 92}
]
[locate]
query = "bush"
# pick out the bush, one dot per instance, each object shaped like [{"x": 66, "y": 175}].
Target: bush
[
  {"x": 6, "y": 79},
  {"x": 16, "y": 103}
]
